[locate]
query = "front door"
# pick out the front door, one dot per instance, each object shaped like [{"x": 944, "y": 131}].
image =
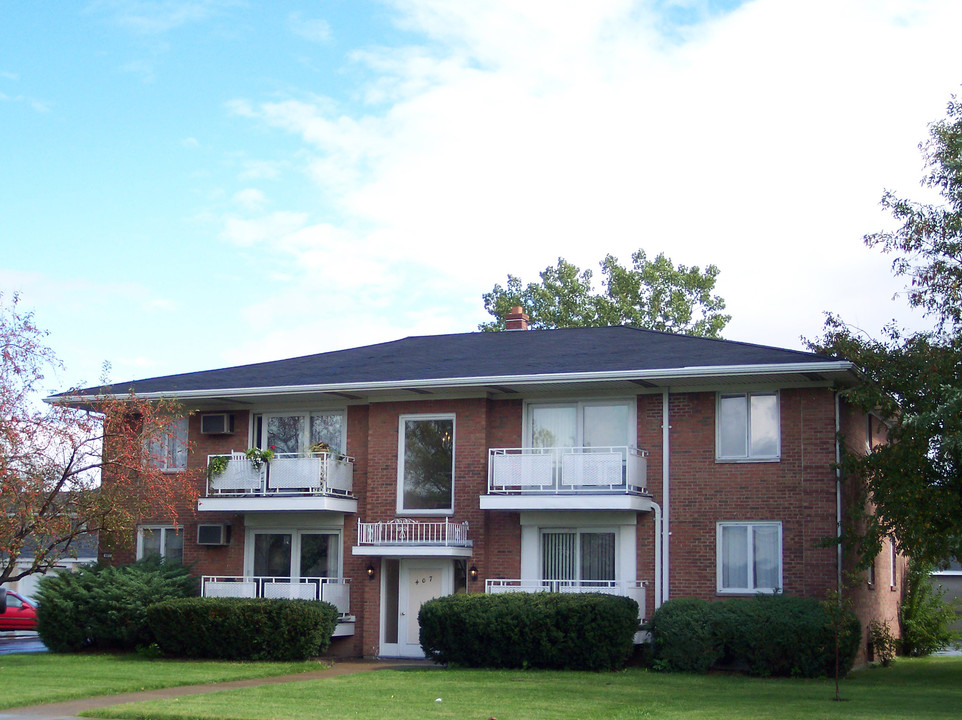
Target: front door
[{"x": 406, "y": 585}]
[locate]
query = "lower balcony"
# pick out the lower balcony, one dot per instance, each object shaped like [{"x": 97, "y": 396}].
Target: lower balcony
[
  {"x": 289, "y": 481},
  {"x": 636, "y": 590},
  {"x": 413, "y": 538},
  {"x": 567, "y": 478},
  {"x": 336, "y": 591}
]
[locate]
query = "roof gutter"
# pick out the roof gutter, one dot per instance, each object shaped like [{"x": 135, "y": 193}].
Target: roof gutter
[{"x": 545, "y": 378}]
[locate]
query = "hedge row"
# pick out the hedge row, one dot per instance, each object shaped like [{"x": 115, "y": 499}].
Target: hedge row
[
  {"x": 775, "y": 635},
  {"x": 105, "y": 607},
  {"x": 538, "y": 630},
  {"x": 242, "y": 629}
]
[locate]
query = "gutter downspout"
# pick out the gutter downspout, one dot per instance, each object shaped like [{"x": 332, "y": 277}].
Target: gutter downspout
[
  {"x": 665, "y": 459},
  {"x": 657, "y": 510},
  {"x": 838, "y": 490}
]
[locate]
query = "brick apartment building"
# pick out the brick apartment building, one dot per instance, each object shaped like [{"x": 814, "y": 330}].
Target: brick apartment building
[{"x": 593, "y": 459}]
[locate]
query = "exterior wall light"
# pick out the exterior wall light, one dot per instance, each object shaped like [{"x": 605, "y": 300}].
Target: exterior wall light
[
  {"x": 370, "y": 571},
  {"x": 473, "y": 573}
]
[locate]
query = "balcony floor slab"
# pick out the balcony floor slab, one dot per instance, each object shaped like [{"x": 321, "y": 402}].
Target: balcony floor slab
[
  {"x": 278, "y": 503},
  {"x": 581, "y": 501}
]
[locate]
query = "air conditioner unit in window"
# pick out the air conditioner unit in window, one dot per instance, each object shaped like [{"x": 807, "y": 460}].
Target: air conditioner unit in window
[
  {"x": 213, "y": 534},
  {"x": 219, "y": 424}
]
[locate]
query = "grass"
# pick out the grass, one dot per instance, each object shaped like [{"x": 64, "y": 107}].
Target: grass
[
  {"x": 45, "y": 677},
  {"x": 927, "y": 688}
]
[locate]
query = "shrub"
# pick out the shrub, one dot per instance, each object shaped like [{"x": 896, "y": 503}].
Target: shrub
[
  {"x": 242, "y": 628},
  {"x": 773, "y": 635},
  {"x": 684, "y": 636},
  {"x": 105, "y": 607},
  {"x": 924, "y": 615},
  {"x": 884, "y": 644},
  {"x": 537, "y": 630}
]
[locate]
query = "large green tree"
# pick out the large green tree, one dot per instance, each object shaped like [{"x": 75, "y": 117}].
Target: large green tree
[
  {"x": 653, "y": 294},
  {"x": 914, "y": 379}
]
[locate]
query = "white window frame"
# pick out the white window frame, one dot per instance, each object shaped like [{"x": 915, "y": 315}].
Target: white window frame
[
  {"x": 402, "y": 419},
  {"x": 631, "y": 429},
  {"x": 295, "y": 533},
  {"x": 164, "y": 529},
  {"x": 893, "y": 563},
  {"x": 720, "y": 556},
  {"x": 164, "y": 450},
  {"x": 305, "y": 439},
  {"x": 748, "y": 457},
  {"x": 578, "y": 532}
]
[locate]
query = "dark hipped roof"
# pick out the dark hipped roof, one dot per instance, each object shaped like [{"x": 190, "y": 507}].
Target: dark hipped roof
[{"x": 491, "y": 356}]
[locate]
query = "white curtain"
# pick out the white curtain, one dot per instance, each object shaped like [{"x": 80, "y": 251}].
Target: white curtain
[
  {"x": 735, "y": 557},
  {"x": 765, "y": 546},
  {"x": 558, "y": 556}
]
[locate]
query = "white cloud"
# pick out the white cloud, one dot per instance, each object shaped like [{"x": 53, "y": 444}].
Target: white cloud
[
  {"x": 759, "y": 140},
  {"x": 190, "y": 142},
  {"x": 250, "y": 198},
  {"x": 314, "y": 29},
  {"x": 151, "y": 17},
  {"x": 244, "y": 232}
]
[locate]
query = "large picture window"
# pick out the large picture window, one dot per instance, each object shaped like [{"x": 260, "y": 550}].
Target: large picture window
[
  {"x": 748, "y": 427},
  {"x": 426, "y": 464},
  {"x": 749, "y": 557}
]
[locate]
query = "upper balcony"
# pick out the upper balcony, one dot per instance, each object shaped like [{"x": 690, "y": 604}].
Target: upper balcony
[
  {"x": 405, "y": 537},
  {"x": 567, "y": 478},
  {"x": 289, "y": 481}
]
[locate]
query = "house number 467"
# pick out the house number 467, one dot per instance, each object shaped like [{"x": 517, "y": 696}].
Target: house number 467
[{"x": 423, "y": 580}]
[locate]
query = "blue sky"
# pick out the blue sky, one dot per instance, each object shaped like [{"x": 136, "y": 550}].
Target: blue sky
[{"x": 194, "y": 184}]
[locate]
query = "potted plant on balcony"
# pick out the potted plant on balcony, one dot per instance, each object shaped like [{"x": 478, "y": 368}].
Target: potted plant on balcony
[
  {"x": 217, "y": 465},
  {"x": 258, "y": 457}
]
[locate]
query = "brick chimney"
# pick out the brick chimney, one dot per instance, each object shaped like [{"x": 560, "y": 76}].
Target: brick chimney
[{"x": 516, "y": 319}]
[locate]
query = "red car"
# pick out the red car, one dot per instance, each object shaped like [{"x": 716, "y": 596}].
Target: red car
[{"x": 16, "y": 612}]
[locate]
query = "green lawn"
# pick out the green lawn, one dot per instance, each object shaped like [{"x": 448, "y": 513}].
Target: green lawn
[
  {"x": 45, "y": 677},
  {"x": 929, "y": 688}
]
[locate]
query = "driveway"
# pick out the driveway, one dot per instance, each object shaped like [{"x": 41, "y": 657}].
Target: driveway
[{"x": 20, "y": 642}]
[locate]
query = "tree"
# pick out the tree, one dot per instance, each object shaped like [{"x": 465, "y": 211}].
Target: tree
[
  {"x": 53, "y": 457},
  {"x": 914, "y": 379},
  {"x": 652, "y": 294}
]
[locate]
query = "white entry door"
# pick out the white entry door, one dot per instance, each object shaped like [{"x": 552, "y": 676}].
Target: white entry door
[{"x": 418, "y": 580}]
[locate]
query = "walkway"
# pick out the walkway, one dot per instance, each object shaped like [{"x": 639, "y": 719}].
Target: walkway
[{"x": 71, "y": 708}]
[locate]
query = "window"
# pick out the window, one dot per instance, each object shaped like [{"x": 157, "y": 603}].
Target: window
[
  {"x": 169, "y": 451},
  {"x": 749, "y": 557},
  {"x": 581, "y": 424},
  {"x": 893, "y": 567},
  {"x": 297, "y": 432},
  {"x": 296, "y": 554},
  {"x": 579, "y": 555},
  {"x": 426, "y": 464},
  {"x": 870, "y": 574},
  {"x": 164, "y": 541},
  {"x": 747, "y": 427}
]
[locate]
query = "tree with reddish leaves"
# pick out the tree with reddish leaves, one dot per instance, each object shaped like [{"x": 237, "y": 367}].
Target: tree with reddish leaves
[{"x": 53, "y": 455}]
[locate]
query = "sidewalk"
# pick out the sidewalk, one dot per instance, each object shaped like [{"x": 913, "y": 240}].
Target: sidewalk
[{"x": 69, "y": 709}]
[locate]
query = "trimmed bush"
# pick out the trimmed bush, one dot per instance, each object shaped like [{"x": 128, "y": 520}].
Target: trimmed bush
[
  {"x": 684, "y": 637},
  {"x": 105, "y": 607},
  {"x": 766, "y": 635},
  {"x": 242, "y": 628},
  {"x": 536, "y": 630}
]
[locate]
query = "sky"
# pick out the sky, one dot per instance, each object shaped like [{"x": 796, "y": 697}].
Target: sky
[{"x": 191, "y": 184}]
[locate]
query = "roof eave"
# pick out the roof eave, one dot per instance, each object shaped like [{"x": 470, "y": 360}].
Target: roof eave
[{"x": 679, "y": 374}]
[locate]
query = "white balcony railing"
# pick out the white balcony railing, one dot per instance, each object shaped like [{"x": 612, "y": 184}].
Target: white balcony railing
[
  {"x": 413, "y": 532},
  {"x": 285, "y": 474},
  {"x": 336, "y": 591},
  {"x": 567, "y": 470},
  {"x": 636, "y": 590}
]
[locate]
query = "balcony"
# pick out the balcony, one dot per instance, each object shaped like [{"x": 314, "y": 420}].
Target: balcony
[
  {"x": 412, "y": 538},
  {"x": 636, "y": 590},
  {"x": 567, "y": 478},
  {"x": 290, "y": 481},
  {"x": 336, "y": 591}
]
